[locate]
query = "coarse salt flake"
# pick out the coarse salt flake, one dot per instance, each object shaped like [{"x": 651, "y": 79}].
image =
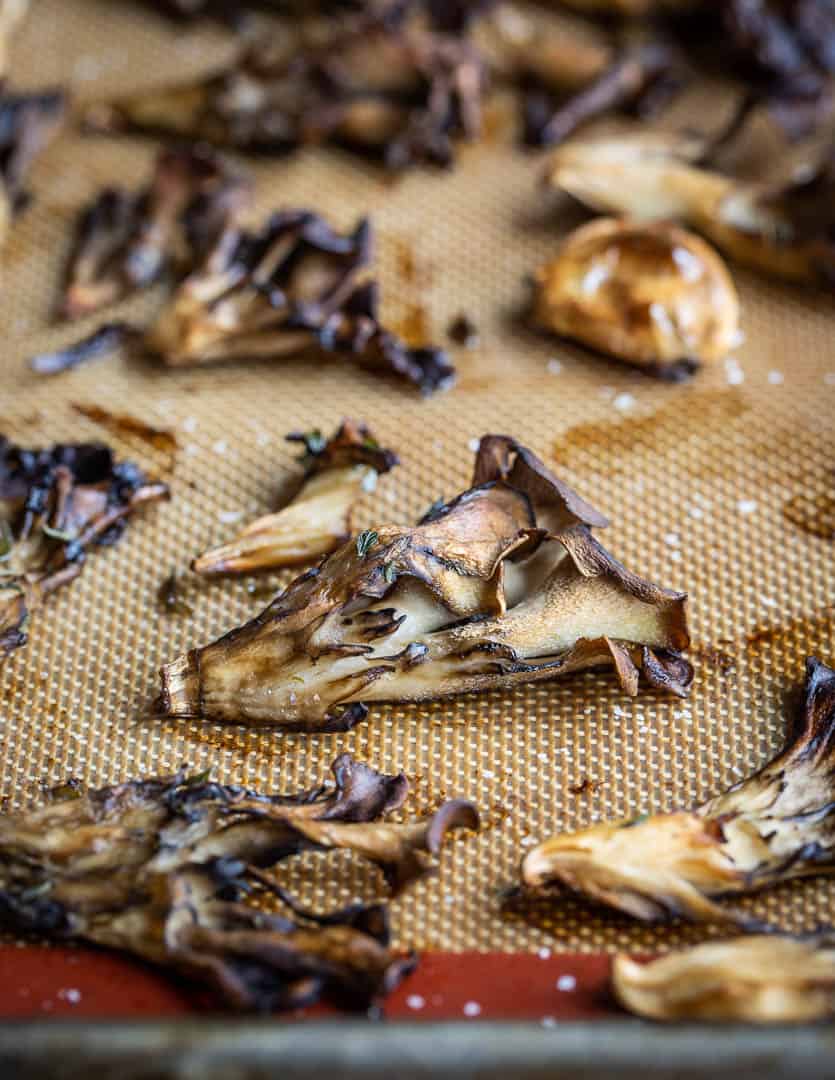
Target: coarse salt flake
[
  {"x": 734, "y": 374},
  {"x": 415, "y": 1001},
  {"x": 746, "y": 506},
  {"x": 566, "y": 983},
  {"x": 554, "y": 366},
  {"x": 623, "y": 402},
  {"x": 544, "y": 954},
  {"x": 472, "y": 1008},
  {"x": 473, "y": 445},
  {"x": 776, "y": 377},
  {"x": 229, "y": 517}
]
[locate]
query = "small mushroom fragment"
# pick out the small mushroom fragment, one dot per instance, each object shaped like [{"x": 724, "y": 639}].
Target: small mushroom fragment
[
  {"x": 650, "y": 294},
  {"x": 777, "y": 825},
  {"x": 294, "y": 285},
  {"x": 55, "y": 505},
  {"x": 126, "y": 241},
  {"x": 503, "y": 585},
  {"x": 757, "y": 979},
  {"x": 641, "y": 78},
  {"x": 28, "y": 122},
  {"x": 783, "y": 229},
  {"x": 318, "y": 519},
  {"x": 401, "y": 95},
  {"x": 161, "y": 868}
]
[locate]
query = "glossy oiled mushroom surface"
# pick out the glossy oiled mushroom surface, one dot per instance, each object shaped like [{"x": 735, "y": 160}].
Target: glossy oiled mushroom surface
[{"x": 651, "y": 294}]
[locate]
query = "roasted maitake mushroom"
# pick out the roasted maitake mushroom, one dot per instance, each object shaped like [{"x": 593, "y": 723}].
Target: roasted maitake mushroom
[
  {"x": 402, "y": 96},
  {"x": 126, "y": 241},
  {"x": 782, "y": 229},
  {"x": 759, "y": 979},
  {"x": 650, "y": 294},
  {"x": 503, "y": 585},
  {"x": 294, "y": 285},
  {"x": 28, "y": 122},
  {"x": 161, "y": 868},
  {"x": 318, "y": 519},
  {"x": 776, "y": 825},
  {"x": 54, "y": 506}
]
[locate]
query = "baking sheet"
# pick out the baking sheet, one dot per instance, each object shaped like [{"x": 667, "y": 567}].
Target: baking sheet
[{"x": 696, "y": 480}]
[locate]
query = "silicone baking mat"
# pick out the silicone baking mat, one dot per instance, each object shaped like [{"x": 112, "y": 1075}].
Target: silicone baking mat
[{"x": 697, "y": 479}]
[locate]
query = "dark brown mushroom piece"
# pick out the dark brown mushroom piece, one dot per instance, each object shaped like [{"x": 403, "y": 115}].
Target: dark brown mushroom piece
[
  {"x": 402, "y": 96},
  {"x": 641, "y": 79},
  {"x": 163, "y": 868},
  {"x": 56, "y": 506},
  {"x": 777, "y": 825},
  {"x": 295, "y": 285},
  {"x": 28, "y": 123},
  {"x": 318, "y": 518},
  {"x": 125, "y": 241},
  {"x": 503, "y": 585}
]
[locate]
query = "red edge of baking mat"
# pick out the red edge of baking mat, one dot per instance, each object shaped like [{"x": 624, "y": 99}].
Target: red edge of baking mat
[{"x": 547, "y": 987}]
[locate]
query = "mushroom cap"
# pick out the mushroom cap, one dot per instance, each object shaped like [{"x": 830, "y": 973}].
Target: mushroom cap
[{"x": 652, "y": 294}]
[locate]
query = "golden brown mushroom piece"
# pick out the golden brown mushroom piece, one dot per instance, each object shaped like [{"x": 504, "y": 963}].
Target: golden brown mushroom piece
[
  {"x": 777, "y": 825},
  {"x": 318, "y": 519},
  {"x": 651, "y": 294},
  {"x": 781, "y": 228},
  {"x": 503, "y": 585},
  {"x": 162, "y": 868},
  {"x": 758, "y": 979}
]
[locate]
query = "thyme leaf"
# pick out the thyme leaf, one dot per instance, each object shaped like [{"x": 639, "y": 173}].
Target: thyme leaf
[{"x": 366, "y": 541}]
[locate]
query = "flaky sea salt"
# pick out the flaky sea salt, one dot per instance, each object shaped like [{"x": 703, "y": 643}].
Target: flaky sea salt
[
  {"x": 623, "y": 402},
  {"x": 415, "y": 1001},
  {"x": 566, "y": 983},
  {"x": 473, "y": 445},
  {"x": 544, "y": 954},
  {"x": 554, "y": 367},
  {"x": 746, "y": 506},
  {"x": 734, "y": 374},
  {"x": 776, "y": 378},
  {"x": 472, "y": 1008},
  {"x": 229, "y": 517}
]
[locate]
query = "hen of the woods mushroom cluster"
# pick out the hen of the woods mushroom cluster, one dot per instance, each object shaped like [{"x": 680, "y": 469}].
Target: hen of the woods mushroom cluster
[
  {"x": 503, "y": 585},
  {"x": 336, "y": 472},
  {"x": 777, "y": 825},
  {"x": 162, "y": 868},
  {"x": 55, "y": 506},
  {"x": 568, "y": 71},
  {"x": 296, "y": 284}
]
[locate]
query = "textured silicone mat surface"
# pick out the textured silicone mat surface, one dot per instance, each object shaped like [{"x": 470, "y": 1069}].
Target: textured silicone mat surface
[{"x": 696, "y": 480}]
